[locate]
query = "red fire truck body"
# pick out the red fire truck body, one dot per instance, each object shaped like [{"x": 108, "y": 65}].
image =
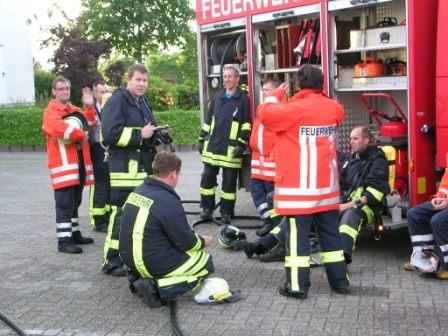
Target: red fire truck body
[{"x": 379, "y": 60}]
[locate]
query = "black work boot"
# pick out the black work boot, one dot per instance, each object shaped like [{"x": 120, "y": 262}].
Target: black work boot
[
  {"x": 266, "y": 228},
  {"x": 225, "y": 218},
  {"x": 147, "y": 289},
  {"x": 277, "y": 253},
  {"x": 69, "y": 248},
  {"x": 284, "y": 290},
  {"x": 78, "y": 239},
  {"x": 252, "y": 248},
  {"x": 206, "y": 214}
]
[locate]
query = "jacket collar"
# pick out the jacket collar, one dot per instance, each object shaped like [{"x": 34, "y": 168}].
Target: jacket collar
[
  {"x": 55, "y": 105},
  {"x": 305, "y": 93},
  {"x": 151, "y": 181},
  {"x": 127, "y": 95},
  {"x": 236, "y": 95}
]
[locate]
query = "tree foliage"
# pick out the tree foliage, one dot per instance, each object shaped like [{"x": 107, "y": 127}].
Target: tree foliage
[
  {"x": 138, "y": 27},
  {"x": 76, "y": 58}
]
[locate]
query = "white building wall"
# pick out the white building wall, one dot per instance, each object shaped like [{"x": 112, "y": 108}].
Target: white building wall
[{"x": 16, "y": 61}]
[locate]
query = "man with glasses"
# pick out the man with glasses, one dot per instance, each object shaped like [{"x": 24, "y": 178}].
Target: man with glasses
[{"x": 68, "y": 158}]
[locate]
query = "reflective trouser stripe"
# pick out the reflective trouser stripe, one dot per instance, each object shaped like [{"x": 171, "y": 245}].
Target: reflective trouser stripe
[
  {"x": 422, "y": 238},
  {"x": 207, "y": 192},
  {"x": 63, "y": 230},
  {"x": 293, "y": 262},
  {"x": 376, "y": 193},
  {"x": 95, "y": 211},
  {"x": 228, "y": 196},
  {"x": 332, "y": 257},
  {"x": 109, "y": 242},
  {"x": 262, "y": 206},
  {"x": 75, "y": 224},
  {"x": 275, "y": 230},
  {"x": 348, "y": 230},
  {"x": 174, "y": 280}
]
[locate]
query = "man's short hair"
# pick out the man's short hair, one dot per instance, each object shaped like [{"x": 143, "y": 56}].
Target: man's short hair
[
  {"x": 98, "y": 82},
  {"x": 273, "y": 83},
  {"x": 137, "y": 67},
  {"x": 366, "y": 132},
  {"x": 60, "y": 79},
  {"x": 310, "y": 77},
  {"x": 165, "y": 163},
  {"x": 232, "y": 67}
]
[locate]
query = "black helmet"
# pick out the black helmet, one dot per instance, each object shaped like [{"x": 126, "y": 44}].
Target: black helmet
[
  {"x": 77, "y": 120},
  {"x": 230, "y": 237}
]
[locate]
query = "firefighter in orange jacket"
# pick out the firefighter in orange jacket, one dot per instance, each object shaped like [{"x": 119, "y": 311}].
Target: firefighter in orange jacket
[
  {"x": 68, "y": 159},
  {"x": 263, "y": 166},
  {"x": 306, "y": 181}
]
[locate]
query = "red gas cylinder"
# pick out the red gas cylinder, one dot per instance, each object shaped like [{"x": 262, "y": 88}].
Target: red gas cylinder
[{"x": 394, "y": 128}]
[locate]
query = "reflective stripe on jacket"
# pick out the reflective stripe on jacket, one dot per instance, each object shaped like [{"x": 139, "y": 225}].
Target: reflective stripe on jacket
[
  {"x": 155, "y": 237},
  {"x": 130, "y": 156},
  {"x": 62, "y": 155},
  {"x": 226, "y": 125},
  {"x": 261, "y": 144},
  {"x": 306, "y": 178}
]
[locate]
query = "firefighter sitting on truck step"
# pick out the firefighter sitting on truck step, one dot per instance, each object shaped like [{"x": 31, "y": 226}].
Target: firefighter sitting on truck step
[
  {"x": 364, "y": 180},
  {"x": 428, "y": 228}
]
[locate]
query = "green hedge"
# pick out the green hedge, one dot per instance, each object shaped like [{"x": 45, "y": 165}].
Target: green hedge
[{"x": 20, "y": 126}]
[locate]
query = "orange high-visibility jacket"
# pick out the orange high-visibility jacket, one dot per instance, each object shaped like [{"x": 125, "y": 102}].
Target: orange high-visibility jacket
[
  {"x": 306, "y": 179},
  {"x": 62, "y": 158},
  {"x": 443, "y": 186},
  {"x": 261, "y": 143}
]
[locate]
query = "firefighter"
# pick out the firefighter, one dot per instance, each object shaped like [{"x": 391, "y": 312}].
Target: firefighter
[
  {"x": 263, "y": 166},
  {"x": 68, "y": 159},
  {"x": 164, "y": 256},
  {"x": 306, "y": 181},
  {"x": 99, "y": 207},
  {"x": 428, "y": 227},
  {"x": 128, "y": 129},
  {"x": 364, "y": 177},
  {"x": 222, "y": 141}
]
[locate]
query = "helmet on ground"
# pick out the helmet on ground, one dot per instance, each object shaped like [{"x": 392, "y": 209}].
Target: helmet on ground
[
  {"x": 427, "y": 260},
  {"x": 77, "y": 120},
  {"x": 216, "y": 290},
  {"x": 230, "y": 237}
]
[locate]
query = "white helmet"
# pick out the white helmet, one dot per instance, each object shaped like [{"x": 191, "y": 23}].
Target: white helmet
[
  {"x": 216, "y": 290},
  {"x": 426, "y": 260}
]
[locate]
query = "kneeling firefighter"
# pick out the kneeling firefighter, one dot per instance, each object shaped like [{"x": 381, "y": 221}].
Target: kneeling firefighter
[{"x": 164, "y": 257}]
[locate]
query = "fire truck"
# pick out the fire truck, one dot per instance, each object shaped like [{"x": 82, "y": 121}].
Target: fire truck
[{"x": 385, "y": 61}]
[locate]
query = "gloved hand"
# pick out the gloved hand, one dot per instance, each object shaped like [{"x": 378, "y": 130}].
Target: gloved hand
[
  {"x": 200, "y": 147},
  {"x": 238, "y": 152}
]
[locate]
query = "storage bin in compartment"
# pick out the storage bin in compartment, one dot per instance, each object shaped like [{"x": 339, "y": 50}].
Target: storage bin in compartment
[
  {"x": 376, "y": 37},
  {"x": 380, "y": 82},
  {"x": 385, "y": 35},
  {"x": 346, "y": 80}
]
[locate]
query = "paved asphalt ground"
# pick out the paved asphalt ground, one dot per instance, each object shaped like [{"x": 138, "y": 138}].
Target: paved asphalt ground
[{"x": 51, "y": 293}]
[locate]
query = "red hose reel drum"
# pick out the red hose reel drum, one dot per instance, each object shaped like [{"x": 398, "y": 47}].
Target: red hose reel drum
[{"x": 394, "y": 132}]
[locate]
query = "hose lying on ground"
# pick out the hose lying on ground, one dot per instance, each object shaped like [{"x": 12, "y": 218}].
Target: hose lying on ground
[{"x": 14, "y": 326}]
